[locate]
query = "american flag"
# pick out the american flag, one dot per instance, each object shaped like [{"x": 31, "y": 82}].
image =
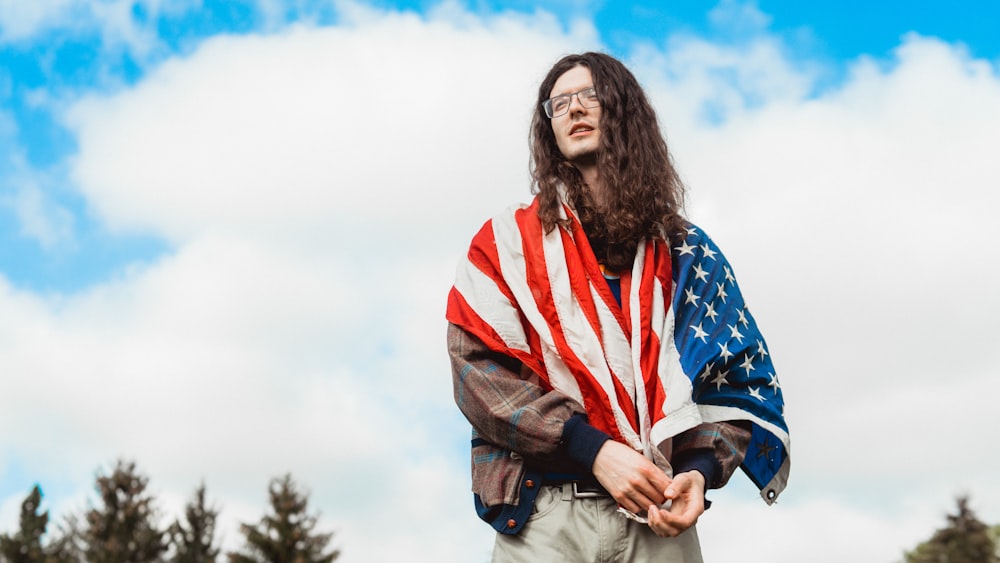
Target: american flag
[
  {"x": 680, "y": 349},
  {"x": 727, "y": 359}
]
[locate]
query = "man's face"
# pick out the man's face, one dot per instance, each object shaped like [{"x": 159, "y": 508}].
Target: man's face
[{"x": 577, "y": 132}]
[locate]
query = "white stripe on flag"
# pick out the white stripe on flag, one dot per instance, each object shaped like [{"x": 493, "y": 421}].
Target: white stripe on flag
[{"x": 491, "y": 305}]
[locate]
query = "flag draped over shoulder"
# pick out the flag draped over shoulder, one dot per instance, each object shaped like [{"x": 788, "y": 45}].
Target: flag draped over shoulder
[{"x": 680, "y": 350}]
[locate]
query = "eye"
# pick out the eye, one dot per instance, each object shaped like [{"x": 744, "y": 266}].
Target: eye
[
  {"x": 559, "y": 103},
  {"x": 590, "y": 94}
]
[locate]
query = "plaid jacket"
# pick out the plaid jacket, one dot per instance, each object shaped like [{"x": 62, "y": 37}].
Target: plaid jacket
[{"x": 522, "y": 434}]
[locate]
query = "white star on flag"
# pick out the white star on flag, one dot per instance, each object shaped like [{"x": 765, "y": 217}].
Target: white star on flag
[
  {"x": 708, "y": 370},
  {"x": 710, "y": 311},
  {"x": 720, "y": 378},
  {"x": 722, "y": 291},
  {"x": 709, "y": 253},
  {"x": 686, "y": 249},
  {"x": 774, "y": 382},
  {"x": 690, "y": 296},
  {"x": 724, "y": 351},
  {"x": 735, "y": 333},
  {"x": 700, "y": 332},
  {"x": 700, "y": 273}
]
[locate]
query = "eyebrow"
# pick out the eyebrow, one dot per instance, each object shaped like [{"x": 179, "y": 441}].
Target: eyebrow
[{"x": 570, "y": 92}]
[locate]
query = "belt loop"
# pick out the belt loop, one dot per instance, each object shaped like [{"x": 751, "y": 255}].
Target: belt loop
[{"x": 567, "y": 491}]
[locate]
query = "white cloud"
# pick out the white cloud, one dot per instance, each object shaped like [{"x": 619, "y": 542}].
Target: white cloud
[
  {"x": 880, "y": 193},
  {"x": 828, "y": 527},
  {"x": 318, "y": 186},
  {"x": 119, "y": 23},
  {"x": 23, "y": 193},
  {"x": 284, "y": 133},
  {"x": 20, "y": 20},
  {"x": 739, "y": 17},
  {"x": 41, "y": 219},
  {"x": 860, "y": 224}
]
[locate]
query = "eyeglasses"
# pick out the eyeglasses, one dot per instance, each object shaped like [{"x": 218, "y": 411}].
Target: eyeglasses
[{"x": 559, "y": 105}]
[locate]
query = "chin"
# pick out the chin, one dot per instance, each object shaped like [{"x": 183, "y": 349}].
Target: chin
[{"x": 588, "y": 156}]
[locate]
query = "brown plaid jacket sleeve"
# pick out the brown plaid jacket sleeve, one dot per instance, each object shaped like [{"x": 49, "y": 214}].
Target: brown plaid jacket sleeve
[
  {"x": 505, "y": 402},
  {"x": 726, "y": 442},
  {"x": 512, "y": 415}
]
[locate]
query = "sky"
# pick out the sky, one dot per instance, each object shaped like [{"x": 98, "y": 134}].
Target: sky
[{"x": 228, "y": 229}]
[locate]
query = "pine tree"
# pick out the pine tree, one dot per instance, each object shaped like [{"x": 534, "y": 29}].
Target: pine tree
[
  {"x": 67, "y": 544},
  {"x": 26, "y": 545},
  {"x": 193, "y": 540},
  {"x": 964, "y": 540},
  {"x": 286, "y": 535},
  {"x": 995, "y": 536},
  {"x": 123, "y": 528}
]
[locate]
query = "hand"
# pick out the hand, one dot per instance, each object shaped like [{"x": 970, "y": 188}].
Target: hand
[
  {"x": 687, "y": 496},
  {"x": 633, "y": 481}
]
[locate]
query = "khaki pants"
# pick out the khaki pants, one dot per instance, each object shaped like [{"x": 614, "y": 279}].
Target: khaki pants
[{"x": 565, "y": 527}]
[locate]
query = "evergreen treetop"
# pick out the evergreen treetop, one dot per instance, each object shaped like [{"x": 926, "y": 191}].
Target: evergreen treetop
[
  {"x": 124, "y": 527},
  {"x": 25, "y": 546},
  {"x": 964, "y": 540},
  {"x": 286, "y": 534},
  {"x": 194, "y": 539}
]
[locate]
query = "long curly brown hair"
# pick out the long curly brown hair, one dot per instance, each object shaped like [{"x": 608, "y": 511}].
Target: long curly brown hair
[{"x": 643, "y": 194}]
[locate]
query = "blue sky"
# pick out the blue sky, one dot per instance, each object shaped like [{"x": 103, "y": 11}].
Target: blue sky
[
  {"x": 62, "y": 62},
  {"x": 208, "y": 231}
]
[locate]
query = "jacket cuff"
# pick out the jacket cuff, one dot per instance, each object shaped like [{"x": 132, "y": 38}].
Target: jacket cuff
[
  {"x": 582, "y": 441},
  {"x": 701, "y": 460}
]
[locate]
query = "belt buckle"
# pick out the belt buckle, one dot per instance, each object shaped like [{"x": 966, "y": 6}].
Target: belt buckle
[{"x": 585, "y": 494}]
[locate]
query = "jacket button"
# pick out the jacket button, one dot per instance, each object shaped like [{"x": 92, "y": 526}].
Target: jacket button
[
  {"x": 530, "y": 484},
  {"x": 511, "y": 523}
]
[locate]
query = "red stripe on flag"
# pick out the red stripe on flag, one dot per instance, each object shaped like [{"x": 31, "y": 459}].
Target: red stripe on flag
[
  {"x": 595, "y": 400},
  {"x": 626, "y": 290},
  {"x": 483, "y": 255},
  {"x": 585, "y": 272},
  {"x": 664, "y": 268},
  {"x": 580, "y": 285},
  {"x": 656, "y": 268},
  {"x": 460, "y": 313},
  {"x": 593, "y": 270}
]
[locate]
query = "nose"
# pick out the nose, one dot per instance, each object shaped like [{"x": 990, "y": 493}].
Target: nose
[{"x": 579, "y": 104}]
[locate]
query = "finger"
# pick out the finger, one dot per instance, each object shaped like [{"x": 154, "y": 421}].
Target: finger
[
  {"x": 680, "y": 516},
  {"x": 681, "y": 521},
  {"x": 651, "y": 489},
  {"x": 659, "y": 524},
  {"x": 678, "y": 485},
  {"x": 624, "y": 499},
  {"x": 638, "y": 496},
  {"x": 648, "y": 495},
  {"x": 659, "y": 481},
  {"x": 636, "y": 502}
]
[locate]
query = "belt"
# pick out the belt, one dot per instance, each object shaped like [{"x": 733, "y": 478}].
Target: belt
[
  {"x": 592, "y": 489},
  {"x": 581, "y": 489}
]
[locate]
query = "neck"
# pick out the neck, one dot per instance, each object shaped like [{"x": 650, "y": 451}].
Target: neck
[{"x": 594, "y": 185}]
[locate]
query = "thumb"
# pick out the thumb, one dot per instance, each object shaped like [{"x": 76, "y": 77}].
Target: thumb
[{"x": 671, "y": 491}]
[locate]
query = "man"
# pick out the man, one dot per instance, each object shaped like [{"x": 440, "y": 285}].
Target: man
[{"x": 600, "y": 346}]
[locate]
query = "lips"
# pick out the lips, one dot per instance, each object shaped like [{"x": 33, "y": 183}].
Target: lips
[{"x": 580, "y": 128}]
